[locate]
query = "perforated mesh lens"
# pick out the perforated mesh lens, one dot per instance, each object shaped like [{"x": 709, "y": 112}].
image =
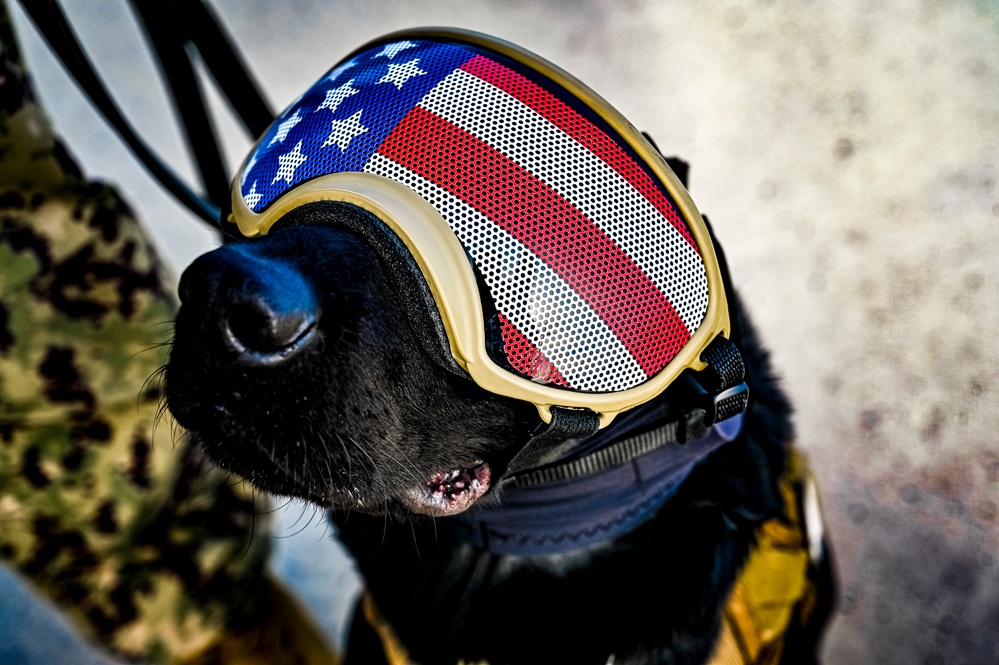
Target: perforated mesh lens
[{"x": 596, "y": 277}]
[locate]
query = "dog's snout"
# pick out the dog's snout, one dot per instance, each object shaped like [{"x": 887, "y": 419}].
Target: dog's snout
[{"x": 263, "y": 308}]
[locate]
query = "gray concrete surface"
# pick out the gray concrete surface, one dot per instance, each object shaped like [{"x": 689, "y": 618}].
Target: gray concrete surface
[{"x": 847, "y": 153}]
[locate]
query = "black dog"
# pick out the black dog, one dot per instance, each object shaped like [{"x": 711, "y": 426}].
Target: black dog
[
  {"x": 334, "y": 399},
  {"x": 314, "y": 362}
]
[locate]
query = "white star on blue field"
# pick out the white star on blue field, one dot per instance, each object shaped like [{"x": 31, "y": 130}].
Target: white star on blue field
[{"x": 342, "y": 120}]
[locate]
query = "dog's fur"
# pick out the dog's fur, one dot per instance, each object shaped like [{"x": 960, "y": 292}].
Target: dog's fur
[{"x": 362, "y": 412}]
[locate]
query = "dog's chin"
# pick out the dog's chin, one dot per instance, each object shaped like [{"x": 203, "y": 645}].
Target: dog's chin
[
  {"x": 449, "y": 492},
  {"x": 446, "y": 492}
]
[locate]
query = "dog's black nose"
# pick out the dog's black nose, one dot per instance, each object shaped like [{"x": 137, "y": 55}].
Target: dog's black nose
[
  {"x": 258, "y": 327},
  {"x": 263, "y": 308}
]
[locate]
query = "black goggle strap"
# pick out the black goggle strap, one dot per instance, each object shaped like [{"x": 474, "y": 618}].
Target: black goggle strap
[
  {"x": 716, "y": 393},
  {"x": 566, "y": 425},
  {"x": 170, "y": 27}
]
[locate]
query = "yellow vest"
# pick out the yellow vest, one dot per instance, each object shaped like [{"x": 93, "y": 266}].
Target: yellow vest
[{"x": 775, "y": 585}]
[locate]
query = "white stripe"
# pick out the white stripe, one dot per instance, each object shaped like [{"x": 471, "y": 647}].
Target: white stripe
[
  {"x": 581, "y": 177},
  {"x": 535, "y": 299}
]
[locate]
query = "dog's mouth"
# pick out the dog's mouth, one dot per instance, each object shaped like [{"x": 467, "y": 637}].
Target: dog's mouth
[{"x": 449, "y": 492}]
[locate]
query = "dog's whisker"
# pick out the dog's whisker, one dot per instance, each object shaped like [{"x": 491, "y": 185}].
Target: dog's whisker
[
  {"x": 274, "y": 508},
  {"x": 416, "y": 540},
  {"x": 152, "y": 347},
  {"x": 347, "y": 457},
  {"x": 408, "y": 467},
  {"x": 330, "y": 479},
  {"x": 329, "y": 470},
  {"x": 326, "y": 524},
  {"x": 362, "y": 448},
  {"x": 305, "y": 507},
  {"x": 253, "y": 531},
  {"x": 303, "y": 528}
]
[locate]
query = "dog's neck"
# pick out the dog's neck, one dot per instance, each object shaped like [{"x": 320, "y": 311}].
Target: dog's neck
[{"x": 595, "y": 497}]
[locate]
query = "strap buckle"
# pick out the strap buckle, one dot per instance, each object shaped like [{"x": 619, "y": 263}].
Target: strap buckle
[
  {"x": 707, "y": 409},
  {"x": 724, "y": 404},
  {"x": 725, "y": 393}
]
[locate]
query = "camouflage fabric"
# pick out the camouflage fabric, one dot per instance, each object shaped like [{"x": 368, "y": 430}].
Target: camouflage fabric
[{"x": 104, "y": 507}]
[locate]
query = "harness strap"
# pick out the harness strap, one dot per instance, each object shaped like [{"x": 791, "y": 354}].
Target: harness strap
[{"x": 617, "y": 454}]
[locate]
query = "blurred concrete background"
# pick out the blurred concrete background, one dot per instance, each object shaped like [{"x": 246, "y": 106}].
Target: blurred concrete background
[{"x": 847, "y": 153}]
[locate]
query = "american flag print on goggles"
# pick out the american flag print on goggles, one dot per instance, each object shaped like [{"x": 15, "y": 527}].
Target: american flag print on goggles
[{"x": 568, "y": 264}]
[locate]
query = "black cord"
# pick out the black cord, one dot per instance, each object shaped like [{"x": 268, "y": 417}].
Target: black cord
[
  {"x": 51, "y": 23},
  {"x": 170, "y": 29},
  {"x": 221, "y": 58},
  {"x": 164, "y": 34}
]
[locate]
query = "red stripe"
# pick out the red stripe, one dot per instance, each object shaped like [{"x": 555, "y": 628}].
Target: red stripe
[
  {"x": 560, "y": 235},
  {"x": 579, "y": 128},
  {"x": 526, "y": 358}
]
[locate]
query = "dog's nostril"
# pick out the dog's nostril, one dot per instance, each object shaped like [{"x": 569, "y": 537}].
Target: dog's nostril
[{"x": 256, "y": 327}]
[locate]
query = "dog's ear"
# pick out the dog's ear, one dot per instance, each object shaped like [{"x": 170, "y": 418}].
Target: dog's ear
[{"x": 679, "y": 167}]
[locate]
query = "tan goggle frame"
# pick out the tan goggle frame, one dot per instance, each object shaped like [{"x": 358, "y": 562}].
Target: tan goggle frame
[{"x": 450, "y": 276}]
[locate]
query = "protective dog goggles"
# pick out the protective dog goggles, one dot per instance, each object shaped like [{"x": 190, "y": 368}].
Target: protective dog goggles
[{"x": 568, "y": 264}]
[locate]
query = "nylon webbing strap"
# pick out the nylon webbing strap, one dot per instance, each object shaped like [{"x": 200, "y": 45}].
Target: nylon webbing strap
[
  {"x": 726, "y": 396},
  {"x": 725, "y": 366},
  {"x": 723, "y": 380},
  {"x": 613, "y": 455},
  {"x": 566, "y": 424}
]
